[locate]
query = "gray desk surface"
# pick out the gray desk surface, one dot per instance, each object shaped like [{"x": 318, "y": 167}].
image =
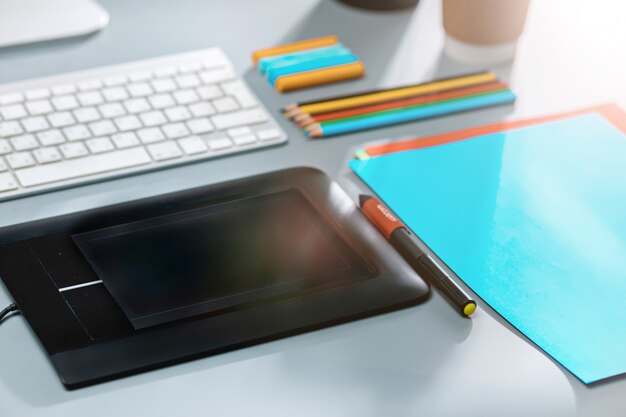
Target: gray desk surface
[{"x": 422, "y": 361}]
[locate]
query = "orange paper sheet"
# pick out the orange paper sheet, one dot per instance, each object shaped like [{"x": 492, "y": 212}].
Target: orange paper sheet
[{"x": 611, "y": 112}]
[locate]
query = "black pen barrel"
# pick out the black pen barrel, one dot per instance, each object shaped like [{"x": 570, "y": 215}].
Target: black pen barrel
[{"x": 430, "y": 270}]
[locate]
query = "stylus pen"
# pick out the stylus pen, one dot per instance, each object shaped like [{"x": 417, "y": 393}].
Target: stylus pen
[{"x": 400, "y": 238}]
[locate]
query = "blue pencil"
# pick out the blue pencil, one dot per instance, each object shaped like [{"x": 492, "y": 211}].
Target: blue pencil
[
  {"x": 314, "y": 64},
  {"x": 391, "y": 117}
]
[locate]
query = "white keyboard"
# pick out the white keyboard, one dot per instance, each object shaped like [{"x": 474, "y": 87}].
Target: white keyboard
[{"x": 92, "y": 125}]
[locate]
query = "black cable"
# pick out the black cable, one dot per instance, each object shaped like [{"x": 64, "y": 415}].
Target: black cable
[{"x": 8, "y": 311}]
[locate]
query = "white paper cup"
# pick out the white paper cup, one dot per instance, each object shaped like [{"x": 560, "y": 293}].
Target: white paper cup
[{"x": 483, "y": 32}]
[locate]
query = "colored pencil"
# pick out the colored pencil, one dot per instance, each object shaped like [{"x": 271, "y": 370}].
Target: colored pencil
[
  {"x": 408, "y": 114},
  {"x": 320, "y": 76},
  {"x": 294, "y": 47},
  {"x": 386, "y": 95},
  {"x": 417, "y": 106},
  {"x": 378, "y": 90},
  {"x": 304, "y": 119}
]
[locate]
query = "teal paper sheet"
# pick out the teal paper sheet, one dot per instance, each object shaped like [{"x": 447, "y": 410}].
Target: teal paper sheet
[{"x": 534, "y": 221}]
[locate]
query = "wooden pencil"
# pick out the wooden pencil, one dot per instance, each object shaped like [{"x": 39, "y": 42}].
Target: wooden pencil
[
  {"x": 383, "y": 96},
  {"x": 408, "y": 114},
  {"x": 380, "y": 95},
  {"x": 304, "y": 118},
  {"x": 378, "y": 90}
]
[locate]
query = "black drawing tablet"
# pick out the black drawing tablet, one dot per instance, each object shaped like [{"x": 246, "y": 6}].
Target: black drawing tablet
[{"x": 139, "y": 285}]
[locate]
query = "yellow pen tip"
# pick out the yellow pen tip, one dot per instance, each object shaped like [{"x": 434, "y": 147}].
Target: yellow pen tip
[{"x": 469, "y": 309}]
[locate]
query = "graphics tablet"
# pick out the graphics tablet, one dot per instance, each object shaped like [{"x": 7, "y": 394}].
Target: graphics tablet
[{"x": 144, "y": 284}]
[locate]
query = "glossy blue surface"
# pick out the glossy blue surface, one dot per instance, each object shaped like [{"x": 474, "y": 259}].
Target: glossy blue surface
[{"x": 534, "y": 221}]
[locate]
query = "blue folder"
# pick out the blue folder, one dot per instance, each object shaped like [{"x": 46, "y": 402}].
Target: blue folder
[{"x": 534, "y": 221}]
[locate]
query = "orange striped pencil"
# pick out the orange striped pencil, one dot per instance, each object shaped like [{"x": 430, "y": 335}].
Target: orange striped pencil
[{"x": 305, "y": 119}]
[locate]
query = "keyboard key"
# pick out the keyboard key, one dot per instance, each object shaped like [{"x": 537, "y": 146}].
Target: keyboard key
[
  {"x": 90, "y": 98},
  {"x": 19, "y": 160},
  {"x": 216, "y": 75},
  {"x": 111, "y": 110},
  {"x": 86, "y": 114},
  {"x": 88, "y": 85},
  {"x": 153, "y": 118},
  {"x": 8, "y": 129},
  {"x": 24, "y": 142},
  {"x": 202, "y": 109},
  {"x": 77, "y": 132},
  {"x": 244, "y": 140},
  {"x": 268, "y": 134},
  {"x": 240, "y": 118},
  {"x": 74, "y": 150},
  {"x": 35, "y": 124},
  {"x": 65, "y": 103},
  {"x": 139, "y": 89},
  {"x": 241, "y": 93},
  {"x": 127, "y": 123},
  {"x": 125, "y": 140},
  {"x": 61, "y": 119},
  {"x": 50, "y": 137},
  {"x": 115, "y": 80},
  {"x": 225, "y": 104},
  {"x": 177, "y": 114},
  {"x": 161, "y": 101},
  {"x": 239, "y": 131},
  {"x": 189, "y": 67},
  {"x": 163, "y": 85},
  {"x": 47, "y": 155},
  {"x": 7, "y": 182},
  {"x": 3, "y": 165},
  {"x": 140, "y": 76},
  {"x": 185, "y": 96},
  {"x": 5, "y": 147},
  {"x": 165, "y": 71},
  {"x": 64, "y": 89},
  {"x": 102, "y": 128},
  {"x": 209, "y": 92},
  {"x": 219, "y": 144},
  {"x": 95, "y": 164},
  {"x": 38, "y": 107},
  {"x": 192, "y": 145},
  {"x": 151, "y": 135},
  {"x": 198, "y": 126},
  {"x": 37, "y": 94},
  {"x": 11, "y": 98},
  {"x": 175, "y": 130},
  {"x": 165, "y": 150},
  {"x": 99, "y": 145},
  {"x": 13, "y": 111},
  {"x": 137, "y": 105},
  {"x": 187, "y": 81},
  {"x": 115, "y": 94}
]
